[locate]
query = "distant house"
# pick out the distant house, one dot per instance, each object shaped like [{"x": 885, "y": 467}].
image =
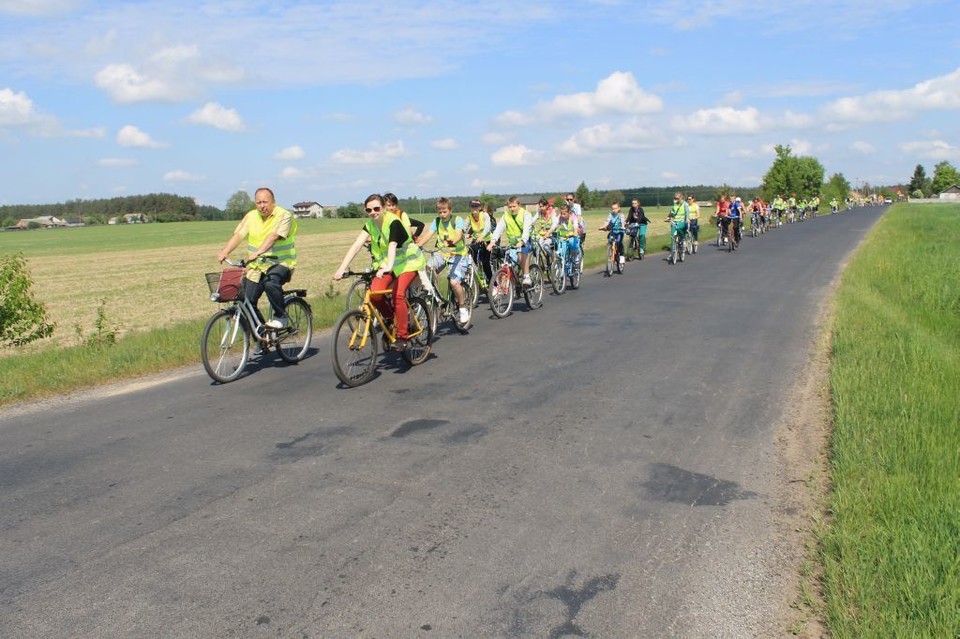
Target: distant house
[
  {"x": 314, "y": 209},
  {"x": 129, "y": 218},
  {"x": 952, "y": 194},
  {"x": 45, "y": 221}
]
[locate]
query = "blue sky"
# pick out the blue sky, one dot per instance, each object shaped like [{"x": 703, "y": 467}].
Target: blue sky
[{"x": 329, "y": 101}]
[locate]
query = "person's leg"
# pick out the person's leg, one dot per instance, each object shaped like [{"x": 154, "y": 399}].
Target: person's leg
[
  {"x": 642, "y": 237},
  {"x": 252, "y": 291},
  {"x": 400, "y": 304},
  {"x": 379, "y": 299},
  {"x": 273, "y": 282}
]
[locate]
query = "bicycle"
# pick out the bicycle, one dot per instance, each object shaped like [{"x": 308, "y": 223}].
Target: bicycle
[
  {"x": 354, "y": 347},
  {"x": 442, "y": 300},
  {"x": 678, "y": 239},
  {"x": 476, "y": 273},
  {"x": 635, "y": 232},
  {"x": 736, "y": 234},
  {"x": 506, "y": 284},
  {"x": 546, "y": 259},
  {"x": 358, "y": 289},
  {"x": 225, "y": 341},
  {"x": 571, "y": 268},
  {"x": 614, "y": 258},
  {"x": 755, "y": 228}
]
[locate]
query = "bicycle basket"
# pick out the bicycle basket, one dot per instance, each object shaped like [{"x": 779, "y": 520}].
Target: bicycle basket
[{"x": 225, "y": 286}]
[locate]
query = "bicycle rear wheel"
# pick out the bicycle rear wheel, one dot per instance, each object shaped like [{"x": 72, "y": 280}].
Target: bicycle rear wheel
[
  {"x": 225, "y": 345},
  {"x": 421, "y": 335},
  {"x": 353, "y": 349},
  {"x": 500, "y": 294},
  {"x": 294, "y": 341},
  {"x": 533, "y": 294}
]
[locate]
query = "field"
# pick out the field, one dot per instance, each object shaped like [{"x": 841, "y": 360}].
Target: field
[
  {"x": 152, "y": 275},
  {"x": 892, "y": 548}
]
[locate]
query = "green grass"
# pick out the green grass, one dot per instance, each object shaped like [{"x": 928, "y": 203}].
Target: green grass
[{"x": 891, "y": 551}]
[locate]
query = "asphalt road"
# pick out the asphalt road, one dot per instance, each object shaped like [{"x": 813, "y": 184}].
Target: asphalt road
[{"x": 605, "y": 466}]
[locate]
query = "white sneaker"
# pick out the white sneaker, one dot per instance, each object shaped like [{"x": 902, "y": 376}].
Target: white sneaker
[
  {"x": 527, "y": 281},
  {"x": 622, "y": 259},
  {"x": 279, "y": 322},
  {"x": 464, "y": 315}
]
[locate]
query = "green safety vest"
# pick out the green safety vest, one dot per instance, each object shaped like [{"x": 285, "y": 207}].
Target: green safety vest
[
  {"x": 566, "y": 229},
  {"x": 514, "y": 225},
  {"x": 477, "y": 227},
  {"x": 284, "y": 248},
  {"x": 446, "y": 230},
  {"x": 409, "y": 257}
]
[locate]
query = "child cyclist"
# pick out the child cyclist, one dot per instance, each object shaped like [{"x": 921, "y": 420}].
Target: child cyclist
[
  {"x": 615, "y": 228},
  {"x": 678, "y": 217},
  {"x": 568, "y": 230},
  {"x": 452, "y": 250},
  {"x": 517, "y": 224}
]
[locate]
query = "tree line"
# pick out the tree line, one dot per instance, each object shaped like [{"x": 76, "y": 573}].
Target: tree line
[
  {"x": 157, "y": 207},
  {"x": 945, "y": 175}
]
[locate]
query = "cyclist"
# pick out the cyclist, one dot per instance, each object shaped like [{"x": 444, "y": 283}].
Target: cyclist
[
  {"x": 636, "y": 215},
  {"x": 568, "y": 230},
  {"x": 452, "y": 250},
  {"x": 778, "y": 206},
  {"x": 577, "y": 212},
  {"x": 397, "y": 258},
  {"x": 392, "y": 204},
  {"x": 736, "y": 219},
  {"x": 268, "y": 230},
  {"x": 694, "y": 221},
  {"x": 679, "y": 217},
  {"x": 758, "y": 218},
  {"x": 834, "y": 205},
  {"x": 517, "y": 223},
  {"x": 723, "y": 218},
  {"x": 614, "y": 226},
  {"x": 480, "y": 232},
  {"x": 544, "y": 222}
]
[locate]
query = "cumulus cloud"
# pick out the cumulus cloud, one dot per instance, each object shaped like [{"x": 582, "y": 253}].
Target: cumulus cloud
[
  {"x": 446, "y": 144},
  {"x": 291, "y": 172},
  {"x": 379, "y": 154},
  {"x": 132, "y": 136},
  {"x": 183, "y": 176},
  {"x": 411, "y": 117},
  {"x": 633, "y": 135},
  {"x": 513, "y": 118},
  {"x": 941, "y": 93},
  {"x": 932, "y": 149},
  {"x": 290, "y": 154},
  {"x": 722, "y": 120},
  {"x": 516, "y": 155},
  {"x": 863, "y": 147},
  {"x": 18, "y": 111},
  {"x": 617, "y": 93},
  {"x": 218, "y": 116}
]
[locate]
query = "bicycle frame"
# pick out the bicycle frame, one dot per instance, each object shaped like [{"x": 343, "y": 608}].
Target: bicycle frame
[{"x": 372, "y": 314}]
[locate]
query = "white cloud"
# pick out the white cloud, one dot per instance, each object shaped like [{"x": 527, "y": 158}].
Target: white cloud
[
  {"x": 183, "y": 176},
  {"x": 516, "y": 155},
  {"x": 125, "y": 84},
  {"x": 492, "y": 139},
  {"x": 291, "y": 172},
  {"x": 132, "y": 136},
  {"x": 16, "y": 109},
  {"x": 720, "y": 121},
  {"x": 430, "y": 174},
  {"x": 863, "y": 147},
  {"x": 290, "y": 154},
  {"x": 446, "y": 144},
  {"x": 513, "y": 118},
  {"x": 117, "y": 162},
  {"x": 617, "y": 93},
  {"x": 37, "y": 8},
  {"x": 411, "y": 117},
  {"x": 628, "y": 136},
  {"x": 940, "y": 93},
  {"x": 218, "y": 116},
  {"x": 932, "y": 149},
  {"x": 379, "y": 154}
]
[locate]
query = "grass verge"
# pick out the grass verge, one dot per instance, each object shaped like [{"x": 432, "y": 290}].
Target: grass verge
[{"x": 891, "y": 550}]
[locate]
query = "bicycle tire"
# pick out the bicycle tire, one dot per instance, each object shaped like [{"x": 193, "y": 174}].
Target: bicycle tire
[
  {"x": 533, "y": 294},
  {"x": 475, "y": 285},
  {"x": 353, "y": 365},
  {"x": 294, "y": 341},
  {"x": 500, "y": 294},
  {"x": 468, "y": 296},
  {"x": 681, "y": 247},
  {"x": 356, "y": 294},
  {"x": 608, "y": 269},
  {"x": 220, "y": 343},
  {"x": 419, "y": 345},
  {"x": 575, "y": 271},
  {"x": 558, "y": 279}
]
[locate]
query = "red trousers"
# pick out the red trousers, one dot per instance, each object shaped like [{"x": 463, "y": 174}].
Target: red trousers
[{"x": 399, "y": 306}]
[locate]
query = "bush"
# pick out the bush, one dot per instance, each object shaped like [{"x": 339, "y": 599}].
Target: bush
[
  {"x": 22, "y": 319},
  {"x": 917, "y": 194}
]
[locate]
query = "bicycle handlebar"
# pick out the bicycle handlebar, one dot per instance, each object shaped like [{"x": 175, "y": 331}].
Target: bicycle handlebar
[{"x": 243, "y": 263}]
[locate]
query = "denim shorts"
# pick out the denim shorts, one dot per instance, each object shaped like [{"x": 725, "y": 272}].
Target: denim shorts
[{"x": 458, "y": 265}]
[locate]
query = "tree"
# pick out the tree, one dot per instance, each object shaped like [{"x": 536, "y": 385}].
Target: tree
[
  {"x": 944, "y": 176},
  {"x": 22, "y": 319},
  {"x": 351, "y": 209},
  {"x": 836, "y": 187},
  {"x": 791, "y": 174},
  {"x": 919, "y": 180},
  {"x": 583, "y": 195},
  {"x": 238, "y": 205}
]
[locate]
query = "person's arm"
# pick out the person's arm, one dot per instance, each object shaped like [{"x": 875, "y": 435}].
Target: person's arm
[
  {"x": 358, "y": 243},
  {"x": 424, "y": 235},
  {"x": 497, "y": 233},
  {"x": 234, "y": 241}
]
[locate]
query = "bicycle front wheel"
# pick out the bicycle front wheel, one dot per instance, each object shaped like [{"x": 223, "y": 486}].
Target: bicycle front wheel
[
  {"x": 294, "y": 341},
  {"x": 225, "y": 345},
  {"x": 500, "y": 294},
  {"x": 617, "y": 263},
  {"x": 469, "y": 294},
  {"x": 533, "y": 294},
  {"x": 356, "y": 294},
  {"x": 558, "y": 276},
  {"x": 353, "y": 349},
  {"x": 610, "y": 257},
  {"x": 421, "y": 334}
]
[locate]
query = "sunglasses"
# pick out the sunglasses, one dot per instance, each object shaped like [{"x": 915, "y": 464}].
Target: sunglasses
[{"x": 374, "y": 209}]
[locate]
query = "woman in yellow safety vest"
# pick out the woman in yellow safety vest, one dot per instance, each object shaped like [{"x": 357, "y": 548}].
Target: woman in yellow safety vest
[{"x": 396, "y": 257}]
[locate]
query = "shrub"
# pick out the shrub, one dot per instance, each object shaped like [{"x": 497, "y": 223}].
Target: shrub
[{"x": 22, "y": 318}]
